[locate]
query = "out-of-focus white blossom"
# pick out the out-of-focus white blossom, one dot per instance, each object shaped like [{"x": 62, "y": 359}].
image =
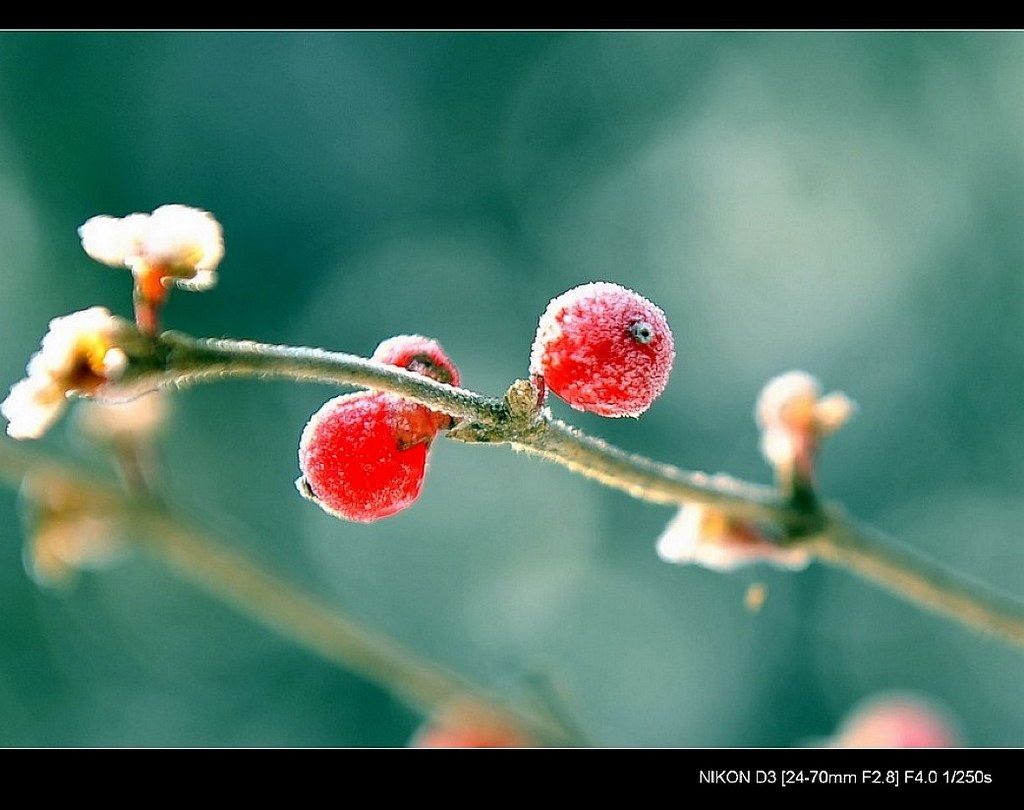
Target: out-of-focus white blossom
[
  {"x": 832, "y": 412},
  {"x": 787, "y": 399},
  {"x": 119, "y": 423},
  {"x": 175, "y": 242},
  {"x": 113, "y": 240},
  {"x": 703, "y": 535},
  {"x": 67, "y": 531},
  {"x": 60, "y": 546},
  {"x": 794, "y": 417},
  {"x": 78, "y": 355}
]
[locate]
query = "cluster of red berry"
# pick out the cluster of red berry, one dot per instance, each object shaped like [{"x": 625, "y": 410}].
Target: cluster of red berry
[
  {"x": 363, "y": 455},
  {"x": 600, "y": 347}
]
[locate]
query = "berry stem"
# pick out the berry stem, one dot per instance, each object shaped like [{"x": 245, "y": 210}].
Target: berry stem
[
  {"x": 832, "y": 537},
  {"x": 147, "y": 315}
]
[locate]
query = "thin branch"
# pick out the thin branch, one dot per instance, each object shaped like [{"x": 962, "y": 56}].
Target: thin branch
[
  {"x": 911, "y": 575},
  {"x": 832, "y": 537},
  {"x": 487, "y": 420},
  {"x": 650, "y": 480},
  {"x": 189, "y": 360}
]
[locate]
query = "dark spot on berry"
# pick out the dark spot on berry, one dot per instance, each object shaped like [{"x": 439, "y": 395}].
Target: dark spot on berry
[{"x": 641, "y": 332}]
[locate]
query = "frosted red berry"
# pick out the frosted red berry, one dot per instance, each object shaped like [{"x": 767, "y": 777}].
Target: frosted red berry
[
  {"x": 603, "y": 348},
  {"x": 420, "y": 354},
  {"x": 424, "y": 356},
  {"x": 353, "y": 463},
  {"x": 363, "y": 456}
]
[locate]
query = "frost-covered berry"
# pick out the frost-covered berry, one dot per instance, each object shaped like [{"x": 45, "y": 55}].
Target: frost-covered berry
[
  {"x": 424, "y": 356},
  {"x": 420, "y": 354},
  {"x": 603, "y": 348},
  {"x": 464, "y": 723},
  {"x": 363, "y": 456},
  {"x": 356, "y": 458}
]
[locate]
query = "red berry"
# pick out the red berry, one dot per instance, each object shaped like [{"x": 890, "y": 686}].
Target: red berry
[
  {"x": 604, "y": 349},
  {"x": 424, "y": 356},
  {"x": 897, "y": 720},
  {"x": 355, "y": 462},
  {"x": 420, "y": 354},
  {"x": 363, "y": 455},
  {"x": 466, "y": 724}
]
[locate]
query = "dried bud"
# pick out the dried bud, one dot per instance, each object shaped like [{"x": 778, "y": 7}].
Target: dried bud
[
  {"x": 82, "y": 354},
  {"x": 175, "y": 242},
  {"x": 794, "y": 417},
  {"x": 123, "y": 423},
  {"x": 175, "y": 245},
  {"x": 66, "y": 532}
]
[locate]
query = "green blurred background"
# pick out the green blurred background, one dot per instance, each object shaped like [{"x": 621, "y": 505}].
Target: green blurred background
[{"x": 848, "y": 204}]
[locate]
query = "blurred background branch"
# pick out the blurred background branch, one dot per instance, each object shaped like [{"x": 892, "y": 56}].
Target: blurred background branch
[{"x": 239, "y": 580}]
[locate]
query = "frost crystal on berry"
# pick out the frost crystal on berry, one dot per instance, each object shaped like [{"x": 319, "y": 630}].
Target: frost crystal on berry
[{"x": 603, "y": 348}]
